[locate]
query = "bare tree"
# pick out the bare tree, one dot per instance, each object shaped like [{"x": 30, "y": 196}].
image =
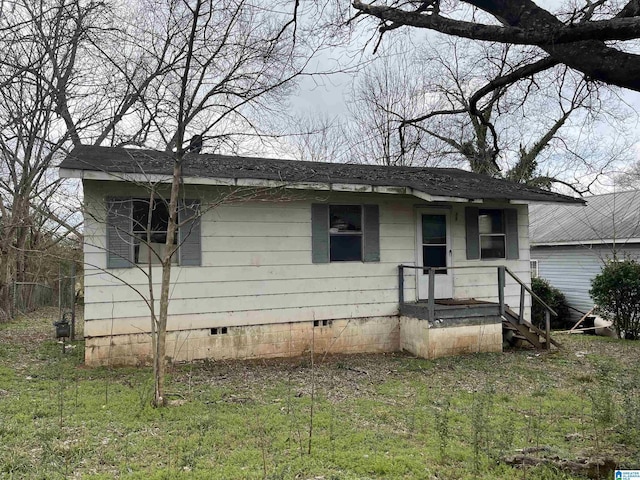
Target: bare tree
[
  {"x": 318, "y": 138},
  {"x": 151, "y": 73},
  {"x": 388, "y": 92},
  {"x": 232, "y": 62},
  {"x": 525, "y": 133},
  {"x": 40, "y": 43},
  {"x": 577, "y": 35},
  {"x": 58, "y": 90},
  {"x": 630, "y": 178}
]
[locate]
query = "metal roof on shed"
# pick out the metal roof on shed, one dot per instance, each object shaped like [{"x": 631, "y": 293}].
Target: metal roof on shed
[
  {"x": 444, "y": 182},
  {"x": 613, "y": 216}
]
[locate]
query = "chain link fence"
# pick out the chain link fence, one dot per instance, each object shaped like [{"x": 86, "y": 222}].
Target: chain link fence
[{"x": 28, "y": 296}]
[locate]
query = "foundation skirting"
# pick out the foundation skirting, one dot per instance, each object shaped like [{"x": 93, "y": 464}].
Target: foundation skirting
[{"x": 355, "y": 335}]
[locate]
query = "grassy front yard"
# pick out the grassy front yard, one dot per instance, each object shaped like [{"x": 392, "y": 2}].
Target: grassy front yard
[{"x": 370, "y": 416}]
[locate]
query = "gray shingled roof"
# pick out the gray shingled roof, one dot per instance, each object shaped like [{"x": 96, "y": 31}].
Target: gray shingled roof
[
  {"x": 605, "y": 217},
  {"x": 448, "y": 182}
]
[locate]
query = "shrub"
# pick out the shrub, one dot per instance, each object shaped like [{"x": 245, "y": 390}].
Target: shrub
[
  {"x": 616, "y": 291},
  {"x": 552, "y": 297}
]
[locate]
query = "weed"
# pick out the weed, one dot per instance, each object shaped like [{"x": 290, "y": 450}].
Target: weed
[
  {"x": 374, "y": 416},
  {"x": 441, "y": 408},
  {"x": 479, "y": 428}
]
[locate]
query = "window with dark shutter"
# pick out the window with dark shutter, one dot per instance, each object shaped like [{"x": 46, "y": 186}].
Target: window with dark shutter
[
  {"x": 150, "y": 224},
  {"x": 345, "y": 233},
  {"x": 319, "y": 233},
  {"x": 137, "y": 232},
  {"x": 371, "y": 245},
  {"x": 511, "y": 233},
  {"x": 472, "y": 234}
]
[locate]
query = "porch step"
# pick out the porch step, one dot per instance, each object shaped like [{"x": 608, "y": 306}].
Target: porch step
[{"x": 514, "y": 329}]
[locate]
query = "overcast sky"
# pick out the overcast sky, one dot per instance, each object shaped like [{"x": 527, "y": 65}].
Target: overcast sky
[{"x": 327, "y": 95}]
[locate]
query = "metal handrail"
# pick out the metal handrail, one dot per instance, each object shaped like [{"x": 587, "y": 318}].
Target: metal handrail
[
  {"x": 457, "y": 267},
  {"x": 533, "y": 295}
]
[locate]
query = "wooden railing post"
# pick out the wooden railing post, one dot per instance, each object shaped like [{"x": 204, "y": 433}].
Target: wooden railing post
[
  {"x": 521, "y": 313},
  {"x": 547, "y": 322},
  {"x": 501, "y": 280},
  {"x": 401, "y": 284},
  {"x": 432, "y": 293}
]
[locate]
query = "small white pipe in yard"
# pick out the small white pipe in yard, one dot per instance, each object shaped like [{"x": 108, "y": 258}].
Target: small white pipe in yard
[{"x": 576, "y": 330}]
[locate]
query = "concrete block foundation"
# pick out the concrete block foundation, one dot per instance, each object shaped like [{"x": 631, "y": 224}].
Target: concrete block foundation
[{"x": 355, "y": 335}]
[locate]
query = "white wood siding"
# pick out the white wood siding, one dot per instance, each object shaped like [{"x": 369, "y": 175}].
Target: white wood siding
[
  {"x": 256, "y": 266},
  {"x": 481, "y": 281}
]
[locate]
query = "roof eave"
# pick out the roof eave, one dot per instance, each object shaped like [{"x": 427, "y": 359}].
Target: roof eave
[
  {"x": 584, "y": 243},
  {"x": 254, "y": 182},
  {"x": 578, "y": 202},
  {"x": 85, "y": 174}
]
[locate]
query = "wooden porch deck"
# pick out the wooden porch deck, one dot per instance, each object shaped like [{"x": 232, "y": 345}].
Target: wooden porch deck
[
  {"x": 450, "y": 312},
  {"x": 457, "y": 312}
]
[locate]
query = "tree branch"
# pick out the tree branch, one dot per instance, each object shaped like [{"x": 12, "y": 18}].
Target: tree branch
[
  {"x": 580, "y": 46},
  {"x": 619, "y": 28}
]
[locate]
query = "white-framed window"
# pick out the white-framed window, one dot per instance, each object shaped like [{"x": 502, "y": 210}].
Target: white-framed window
[
  {"x": 345, "y": 233},
  {"x": 492, "y": 233},
  {"x": 534, "y": 268}
]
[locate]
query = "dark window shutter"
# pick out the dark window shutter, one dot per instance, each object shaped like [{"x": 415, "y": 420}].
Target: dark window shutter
[
  {"x": 189, "y": 235},
  {"x": 119, "y": 233},
  {"x": 371, "y": 250},
  {"x": 511, "y": 231},
  {"x": 319, "y": 233},
  {"x": 473, "y": 232}
]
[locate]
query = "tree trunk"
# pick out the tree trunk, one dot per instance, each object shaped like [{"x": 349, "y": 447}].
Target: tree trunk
[
  {"x": 20, "y": 218},
  {"x": 159, "y": 364},
  {"x": 6, "y": 306}
]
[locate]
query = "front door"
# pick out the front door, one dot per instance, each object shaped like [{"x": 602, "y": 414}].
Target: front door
[{"x": 434, "y": 250}]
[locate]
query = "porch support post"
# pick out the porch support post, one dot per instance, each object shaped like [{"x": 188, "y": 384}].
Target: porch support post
[
  {"x": 547, "y": 322},
  {"x": 432, "y": 293},
  {"x": 401, "y": 284},
  {"x": 501, "y": 279}
]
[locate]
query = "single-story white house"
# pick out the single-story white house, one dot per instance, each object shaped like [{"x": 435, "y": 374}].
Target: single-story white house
[
  {"x": 570, "y": 244},
  {"x": 281, "y": 257}
]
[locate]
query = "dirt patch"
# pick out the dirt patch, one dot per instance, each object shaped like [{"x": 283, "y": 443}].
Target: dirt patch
[{"x": 338, "y": 376}]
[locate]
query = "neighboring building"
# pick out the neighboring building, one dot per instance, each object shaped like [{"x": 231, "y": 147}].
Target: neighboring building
[
  {"x": 277, "y": 255},
  {"x": 571, "y": 243}
]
